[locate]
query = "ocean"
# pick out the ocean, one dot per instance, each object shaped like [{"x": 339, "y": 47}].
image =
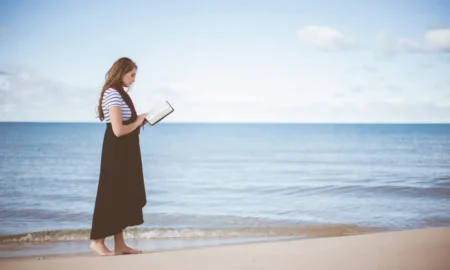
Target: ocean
[{"x": 213, "y": 184}]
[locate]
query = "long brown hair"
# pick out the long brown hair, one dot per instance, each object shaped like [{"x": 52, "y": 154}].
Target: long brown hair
[{"x": 114, "y": 77}]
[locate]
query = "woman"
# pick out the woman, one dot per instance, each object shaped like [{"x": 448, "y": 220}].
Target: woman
[{"x": 121, "y": 192}]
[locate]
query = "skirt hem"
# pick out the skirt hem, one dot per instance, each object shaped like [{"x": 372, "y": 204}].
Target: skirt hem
[{"x": 103, "y": 235}]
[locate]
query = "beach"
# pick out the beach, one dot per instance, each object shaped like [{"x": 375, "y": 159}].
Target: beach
[
  {"x": 251, "y": 190},
  {"x": 420, "y": 249}
]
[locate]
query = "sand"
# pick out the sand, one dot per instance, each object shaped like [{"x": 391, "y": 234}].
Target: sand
[{"x": 427, "y": 249}]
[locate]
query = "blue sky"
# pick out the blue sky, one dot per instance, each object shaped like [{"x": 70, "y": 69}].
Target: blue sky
[{"x": 230, "y": 61}]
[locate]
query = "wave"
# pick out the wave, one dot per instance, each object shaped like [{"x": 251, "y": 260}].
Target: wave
[
  {"x": 441, "y": 191},
  {"x": 443, "y": 181},
  {"x": 193, "y": 233}
]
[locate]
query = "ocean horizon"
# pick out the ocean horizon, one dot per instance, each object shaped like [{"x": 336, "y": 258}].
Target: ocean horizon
[{"x": 226, "y": 181}]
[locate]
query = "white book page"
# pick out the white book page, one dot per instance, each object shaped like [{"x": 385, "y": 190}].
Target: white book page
[{"x": 158, "y": 112}]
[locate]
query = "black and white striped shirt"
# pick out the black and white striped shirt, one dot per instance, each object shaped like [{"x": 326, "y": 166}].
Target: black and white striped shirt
[{"x": 112, "y": 98}]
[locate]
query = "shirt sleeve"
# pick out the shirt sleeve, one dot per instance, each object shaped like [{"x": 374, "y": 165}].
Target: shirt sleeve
[{"x": 112, "y": 98}]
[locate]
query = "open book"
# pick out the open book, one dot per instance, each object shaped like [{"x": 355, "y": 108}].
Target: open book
[{"x": 158, "y": 113}]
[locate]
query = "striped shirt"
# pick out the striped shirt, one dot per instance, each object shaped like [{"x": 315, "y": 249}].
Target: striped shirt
[{"x": 113, "y": 98}]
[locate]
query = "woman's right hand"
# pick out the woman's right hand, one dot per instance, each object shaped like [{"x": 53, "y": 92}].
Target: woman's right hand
[{"x": 141, "y": 119}]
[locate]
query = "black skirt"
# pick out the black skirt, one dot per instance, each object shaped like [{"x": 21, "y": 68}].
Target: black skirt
[{"x": 121, "y": 190}]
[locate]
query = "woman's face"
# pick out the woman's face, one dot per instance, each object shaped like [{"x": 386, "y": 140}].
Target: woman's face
[{"x": 128, "y": 78}]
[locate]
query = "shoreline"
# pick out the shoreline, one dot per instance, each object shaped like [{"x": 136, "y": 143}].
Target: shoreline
[
  {"x": 186, "y": 244},
  {"x": 50, "y": 243},
  {"x": 425, "y": 248}
]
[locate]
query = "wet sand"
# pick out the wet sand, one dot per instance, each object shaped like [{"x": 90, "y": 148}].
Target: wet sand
[{"x": 412, "y": 250}]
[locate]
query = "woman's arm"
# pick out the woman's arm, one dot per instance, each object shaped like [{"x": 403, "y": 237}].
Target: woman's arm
[{"x": 119, "y": 129}]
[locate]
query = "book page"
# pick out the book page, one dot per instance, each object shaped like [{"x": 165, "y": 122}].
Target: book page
[{"x": 158, "y": 112}]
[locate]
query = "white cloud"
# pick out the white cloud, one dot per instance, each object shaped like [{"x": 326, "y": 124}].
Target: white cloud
[
  {"x": 408, "y": 45},
  {"x": 389, "y": 111},
  {"x": 443, "y": 104},
  {"x": 438, "y": 39},
  {"x": 26, "y": 96},
  {"x": 325, "y": 38},
  {"x": 435, "y": 40},
  {"x": 214, "y": 97}
]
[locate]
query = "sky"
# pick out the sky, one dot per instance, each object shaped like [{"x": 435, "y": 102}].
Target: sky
[{"x": 230, "y": 61}]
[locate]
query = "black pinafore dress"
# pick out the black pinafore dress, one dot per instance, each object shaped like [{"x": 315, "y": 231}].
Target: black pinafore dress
[{"x": 121, "y": 190}]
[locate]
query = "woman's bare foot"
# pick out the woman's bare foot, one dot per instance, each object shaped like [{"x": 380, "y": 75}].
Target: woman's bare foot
[
  {"x": 126, "y": 250},
  {"x": 120, "y": 247},
  {"x": 100, "y": 248}
]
